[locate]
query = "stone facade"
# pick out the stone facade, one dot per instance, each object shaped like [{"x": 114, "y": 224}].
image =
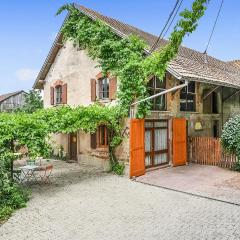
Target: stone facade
[{"x": 73, "y": 66}]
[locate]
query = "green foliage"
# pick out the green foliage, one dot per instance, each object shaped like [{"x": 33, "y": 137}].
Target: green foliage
[
  {"x": 124, "y": 57},
  {"x": 118, "y": 168},
  {"x": 33, "y": 102},
  {"x": 230, "y": 138},
  {"x": 12, "y": 197},
  {"x": 157, "y": 62},
  {"x": 236, "y": 166},
  {"x": 33, "y": 131}
]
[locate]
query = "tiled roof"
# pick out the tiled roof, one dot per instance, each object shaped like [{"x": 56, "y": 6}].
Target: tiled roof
[
  {"x": 189, "y": 64},
  {"x": 8, "y": 95},
  {"x": 235, "y": 63}
]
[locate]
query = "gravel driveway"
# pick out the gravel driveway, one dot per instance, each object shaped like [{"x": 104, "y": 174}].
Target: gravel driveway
[{"x": 86, "y": 204}]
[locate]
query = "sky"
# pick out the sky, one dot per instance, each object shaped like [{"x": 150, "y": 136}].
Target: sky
[{"x": 28, "y": 29}]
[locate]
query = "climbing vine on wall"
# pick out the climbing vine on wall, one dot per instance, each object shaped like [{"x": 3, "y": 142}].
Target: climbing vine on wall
[{"x": 126, "y": 57}]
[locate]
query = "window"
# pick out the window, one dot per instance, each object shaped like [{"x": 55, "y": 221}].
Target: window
[
  {"x": 102, "y": 136},
  {"x": 104, "y": 88},
  {"x": 188, "y": 98},
  {"x": 156, "y": 86},
  {"x": 58, "y": 90}
]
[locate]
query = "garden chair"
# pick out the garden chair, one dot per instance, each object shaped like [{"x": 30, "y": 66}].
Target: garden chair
[{"x": 45, "y": 173}]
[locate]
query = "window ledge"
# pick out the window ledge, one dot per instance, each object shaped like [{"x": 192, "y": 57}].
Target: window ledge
[
  {"x": 102, "y": 149},
  {"x": 186, "y": 112},
  {"x": 58, "y": 104},
  {"x": 104, "y": 100},
  {"x": 156, "y": 111}
]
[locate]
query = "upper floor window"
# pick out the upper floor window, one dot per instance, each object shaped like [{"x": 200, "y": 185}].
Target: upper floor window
[
  {"x": 155, "y": 86},
  {"x": 104, "y": 88},
  {"x": 58, "y": 93},
  {"x": 188, "y": 98}
]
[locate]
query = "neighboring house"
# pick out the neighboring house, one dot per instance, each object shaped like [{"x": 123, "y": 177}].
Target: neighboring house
[
  {"x": 12, "y": 101},
  {"x": 69, "y": 76}
]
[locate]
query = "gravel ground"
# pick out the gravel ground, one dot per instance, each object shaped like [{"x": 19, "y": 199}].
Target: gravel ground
[{"x": 86, "y": 204}]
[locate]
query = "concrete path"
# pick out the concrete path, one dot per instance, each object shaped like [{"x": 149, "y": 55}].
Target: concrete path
[
  {"x": 209, "y": 181},
  {"x": 84, "y": 204}
]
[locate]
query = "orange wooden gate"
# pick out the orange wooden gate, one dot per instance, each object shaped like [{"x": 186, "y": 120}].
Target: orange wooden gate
[
  {"x": 137, "y": 148},
  {"x": 179, "y": 141}
]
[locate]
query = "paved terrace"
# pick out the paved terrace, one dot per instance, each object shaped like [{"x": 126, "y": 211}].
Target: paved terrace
[
  {"x": 207, "y": 181},
  {"x": 83, "y": 203}
]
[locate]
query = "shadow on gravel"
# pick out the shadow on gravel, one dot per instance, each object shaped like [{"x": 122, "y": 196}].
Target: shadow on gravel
[{"x": 64, "y": 175}]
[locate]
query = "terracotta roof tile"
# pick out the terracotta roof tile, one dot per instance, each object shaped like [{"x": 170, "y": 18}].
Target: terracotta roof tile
[
  {"x": 8, "y": 95},
  {"x": 235, "y": 63},
  {"x": 188, "y": 64}
]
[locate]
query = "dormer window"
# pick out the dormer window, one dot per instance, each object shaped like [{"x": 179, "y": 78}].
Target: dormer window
[
  {"x": 104, "y": 88},
  {"x": 58, "y": 94}
]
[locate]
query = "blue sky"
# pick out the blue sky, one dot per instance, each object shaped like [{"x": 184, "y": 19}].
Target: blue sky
[{"x": 27, "y": 30}]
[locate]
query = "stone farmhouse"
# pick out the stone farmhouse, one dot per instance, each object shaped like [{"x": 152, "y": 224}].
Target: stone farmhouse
[{"x": 208, "y": 98}]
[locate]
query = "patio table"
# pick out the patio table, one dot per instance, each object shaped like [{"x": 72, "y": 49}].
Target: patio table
[{"x": 28, "y": 173}]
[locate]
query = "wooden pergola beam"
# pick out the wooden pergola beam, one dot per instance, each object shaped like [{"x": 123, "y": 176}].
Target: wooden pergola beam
[
  {"x": 210, "y": 92},
  {"x": 225, "y": 99}
]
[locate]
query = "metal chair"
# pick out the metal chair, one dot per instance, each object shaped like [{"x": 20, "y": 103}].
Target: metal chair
[{"x": 45, "y": 173}]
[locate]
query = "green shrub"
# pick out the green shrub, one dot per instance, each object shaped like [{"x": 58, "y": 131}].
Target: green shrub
[
  {"x": 5, "y": 212},
  {"x": 236, "y": 167},
  {"x": 230, "y": 138},
  {"x": 12, "y": 196},
  {"x": 118, "y": 168}
]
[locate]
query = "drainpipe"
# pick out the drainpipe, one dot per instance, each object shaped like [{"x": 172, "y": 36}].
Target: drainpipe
[{"x": 156, "y": 95}]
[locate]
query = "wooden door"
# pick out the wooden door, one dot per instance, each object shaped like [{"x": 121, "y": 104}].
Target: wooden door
[
  {"x": 137, "y": 148},
  {"x": 73, "y": 146},
  {"x": 156, "y": 143},
  {"x": 179, "y": 142}
]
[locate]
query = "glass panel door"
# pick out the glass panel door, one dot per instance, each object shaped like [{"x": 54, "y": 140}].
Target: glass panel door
[{"x": 156, "y": 143}]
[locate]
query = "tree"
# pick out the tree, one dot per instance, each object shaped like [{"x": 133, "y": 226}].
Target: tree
[{"x": 33, "y": 102}]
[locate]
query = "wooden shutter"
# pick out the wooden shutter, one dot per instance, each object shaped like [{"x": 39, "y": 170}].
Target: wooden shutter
[
  {"x": 93, "y": 90},
  {"x": 112, "y": 88},
  {"x": 52, "y": 95},
  {"x": 64, "y": 94},
  {"x": 179, "y": 142},
  {"x": 94, "y": 140},
  {"x": 137, "y": 147}
]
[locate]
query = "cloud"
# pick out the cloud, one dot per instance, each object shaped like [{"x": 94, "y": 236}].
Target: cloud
[{"x": 26, "y": 74}]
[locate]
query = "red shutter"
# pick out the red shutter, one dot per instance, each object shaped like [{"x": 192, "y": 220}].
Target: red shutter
[
  {"x": 112, "y": 88},
  {"x": 137, "y": 147},
  {"x": 52, "y": 95},
  {"x": 93, "y": 140},
  {"x": 64, "y": 94},
  {"x": 179, "y": 141},
  {"x": 93, "y": 90}
]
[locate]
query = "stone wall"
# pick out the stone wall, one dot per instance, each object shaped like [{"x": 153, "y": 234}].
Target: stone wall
[{"x": 74, "y": 67}]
